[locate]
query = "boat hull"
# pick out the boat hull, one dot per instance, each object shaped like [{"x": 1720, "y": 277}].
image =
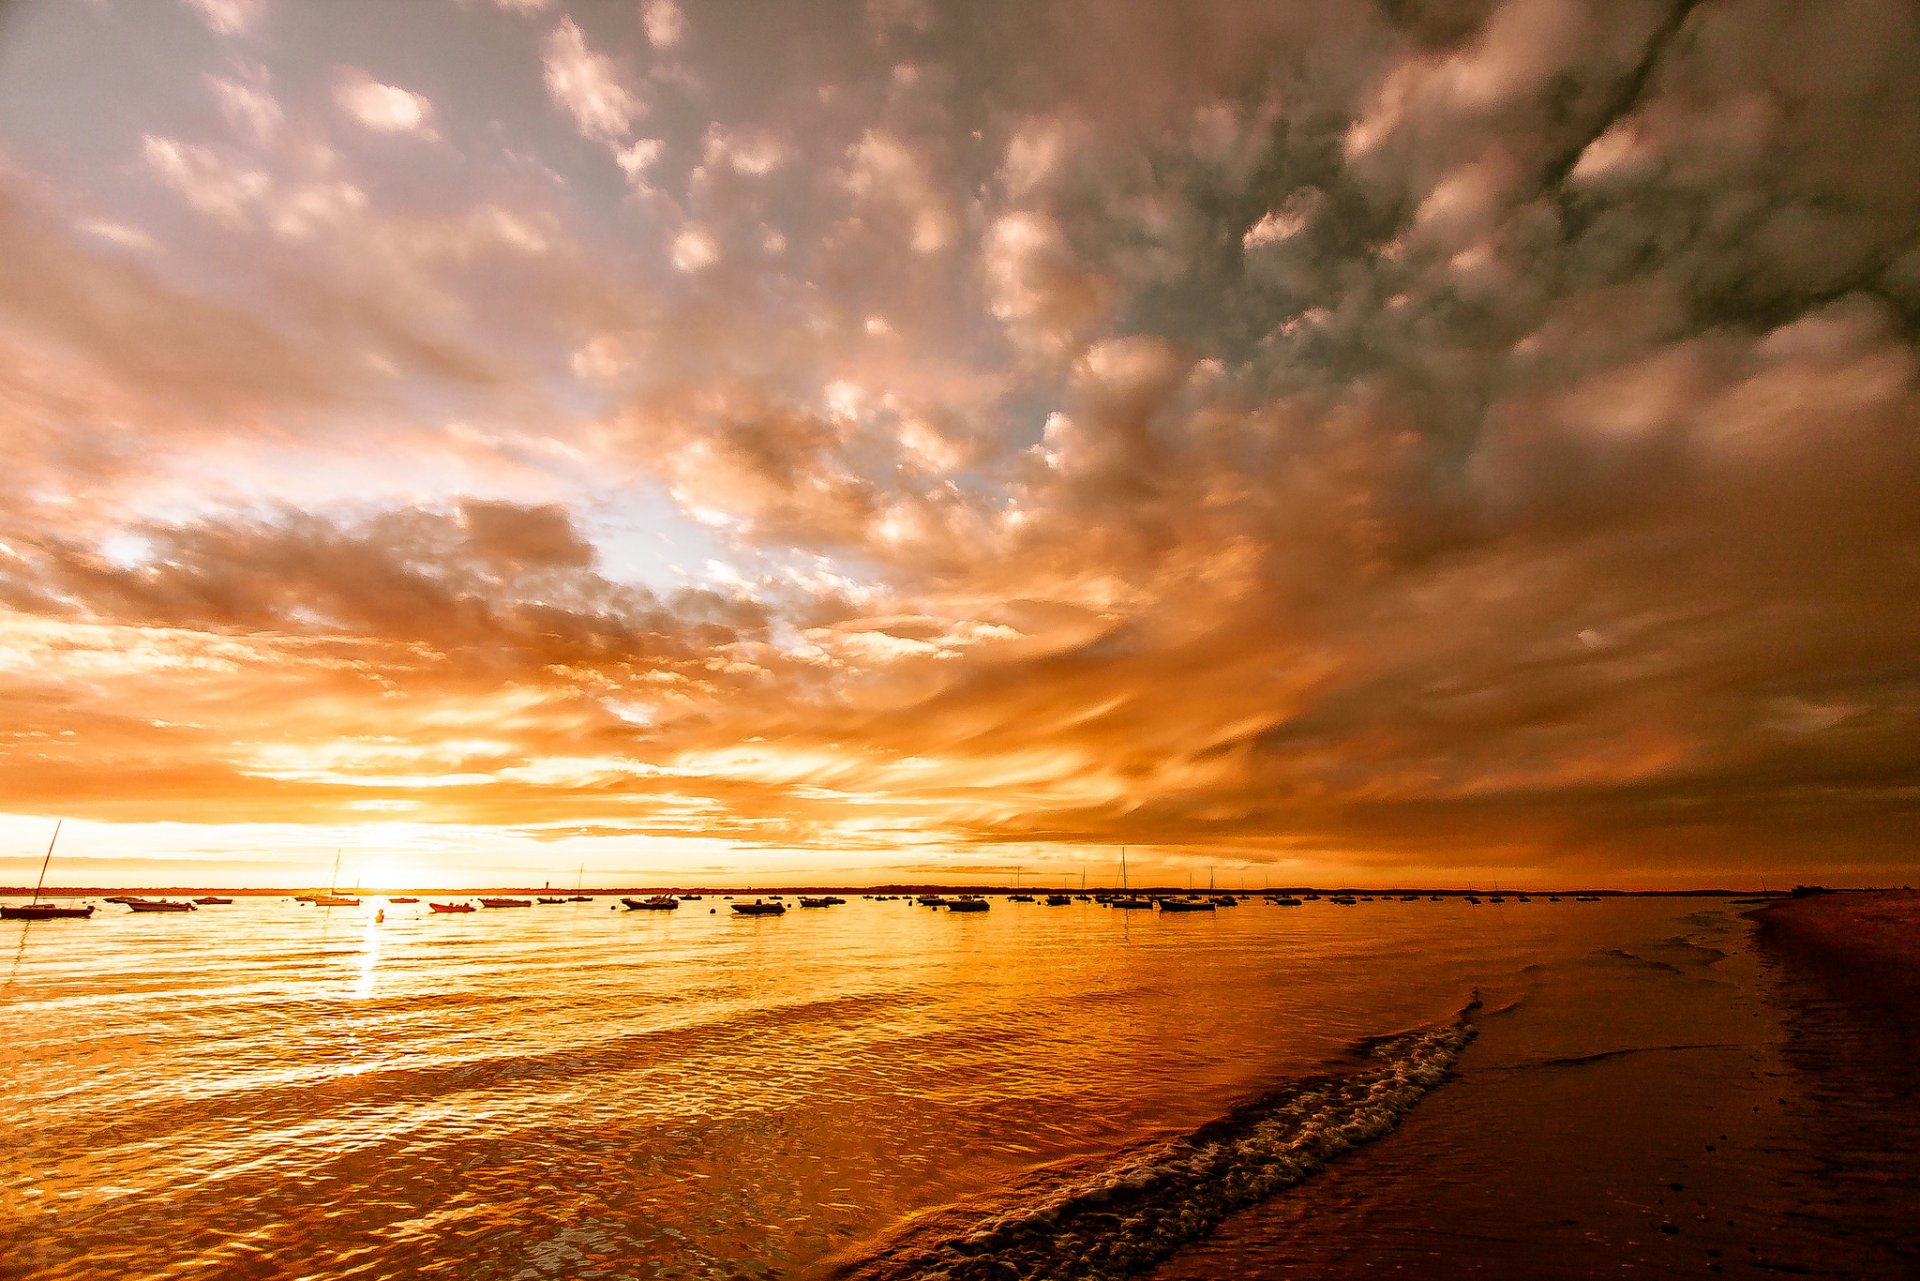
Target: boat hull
[{"x": 41, "y": 912}]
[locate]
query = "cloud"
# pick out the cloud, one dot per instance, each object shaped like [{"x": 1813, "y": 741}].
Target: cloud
[
  {"x": 665, "y": 24},
  {"x": 1048, "y": 300},
  {"x": 249, "y": 106},
  {"x": 588, "y": 86},
  {"x": 1416, "y": 438},
  {"x": 229, "y": 17},
  {"x": 382, "y": 108}
]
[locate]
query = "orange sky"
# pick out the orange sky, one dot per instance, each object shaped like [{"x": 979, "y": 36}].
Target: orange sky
[{"x": 902, "y": 441}]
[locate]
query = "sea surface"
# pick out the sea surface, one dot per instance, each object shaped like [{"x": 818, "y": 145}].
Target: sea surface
[{"x": 879, "y": 1090}]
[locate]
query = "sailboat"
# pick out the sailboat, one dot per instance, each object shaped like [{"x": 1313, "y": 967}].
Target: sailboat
[
  {"x": 577, "y": 896},
  {"x": 332, "y": 898},
  {"x": 1192, "y": 902},
  {"x": 1127, "y": 899},
  {"x": 36, "y": 910}
]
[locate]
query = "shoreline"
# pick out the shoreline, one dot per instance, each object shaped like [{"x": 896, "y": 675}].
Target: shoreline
[
  {"x": 94, "y": 891},
  {"x": 1865, "y": 944}
]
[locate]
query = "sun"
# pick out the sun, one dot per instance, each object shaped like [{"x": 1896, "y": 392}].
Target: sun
[{"x": 374, "y": 872}]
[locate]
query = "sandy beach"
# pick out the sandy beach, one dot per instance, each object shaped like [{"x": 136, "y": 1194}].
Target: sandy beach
[
  {"x": 1710, "y": 1103},
  {"x": 1866, "y": 944}
]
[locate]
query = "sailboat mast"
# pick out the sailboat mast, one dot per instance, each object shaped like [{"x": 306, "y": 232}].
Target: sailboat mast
[{"x": 48, "y": 859}]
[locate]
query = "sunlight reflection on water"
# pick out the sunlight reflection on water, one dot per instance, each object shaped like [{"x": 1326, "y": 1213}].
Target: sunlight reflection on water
[{"x": 569, "y": 1091}]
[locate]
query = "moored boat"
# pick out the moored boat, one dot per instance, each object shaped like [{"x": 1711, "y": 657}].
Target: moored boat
[
  {"x": 506, "y": 902},
  {"x": 43, "y": 912},
  {"x": 658, "y": 903},
  {"x": 968, "y": 903},
  {"x": 403, "y": 899},
  {"x": 552, "y": 900},
  {"x": 159, "y": 905},
  {"x": 35, "y": 910},
  {"x": 212, "y": 900},
  {"x": 451, "y": 907},
  {"x": 1186, "y": 905},
  {"x": 758, "y": 908}
]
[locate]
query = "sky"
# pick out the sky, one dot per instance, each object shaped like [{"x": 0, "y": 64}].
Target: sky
[{"x": 1310, "y": 441}]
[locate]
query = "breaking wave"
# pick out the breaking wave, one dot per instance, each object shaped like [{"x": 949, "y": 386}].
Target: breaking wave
[{"x": 1127, "y": 1215}]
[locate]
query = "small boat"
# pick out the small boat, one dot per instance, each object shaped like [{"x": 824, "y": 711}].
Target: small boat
[
  {"x": 121, "y": 898},
  {"x": 1058, "y": 900},
  {"x": 1226, "y": 900},
  {"x": 552, "y": 900},
  {"x": 1285, "y": 900},
  {"x": 43, "y": 912},
  {"x": 1344, "y": 900},
  {"x": 689, "y": 898},
  {"x": 817, "y": 902},
  {"x": 1186, "y": 905},
  {"x": 1019, "y": 898},
  {"x": 38, "y": 911},
  {"x": 506, "y": 902},
  {"x": 212, "y": 900},
  {"x": 930, "y": 900},
  {"x": 968, "y": 903},
  {"x": 579, "y": 898},
  {"x": 333, "y": 898},
  {"x": 658, "y": 903},
  {"x": 1126, "y": 899},
  {"x": 451, "y": 907},
  {"x": 403, "y": 899},
  {"x": 159, "y": 905},
  {"x": 757, "y": 908}
]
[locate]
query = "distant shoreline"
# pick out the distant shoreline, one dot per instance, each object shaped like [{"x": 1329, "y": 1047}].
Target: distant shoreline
[{"x": 85, "y": 891}]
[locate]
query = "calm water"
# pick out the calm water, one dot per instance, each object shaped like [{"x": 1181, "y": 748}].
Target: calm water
[{"x": 270, "y": 1089}]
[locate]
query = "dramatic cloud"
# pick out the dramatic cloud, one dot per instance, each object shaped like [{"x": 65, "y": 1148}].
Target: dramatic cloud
[{"x": 1403, "y": 442}]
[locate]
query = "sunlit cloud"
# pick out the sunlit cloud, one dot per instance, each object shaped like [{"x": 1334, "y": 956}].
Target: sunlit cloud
[
  {"x": 587, "y": 85},
  {"x": 383, "y": 108}
]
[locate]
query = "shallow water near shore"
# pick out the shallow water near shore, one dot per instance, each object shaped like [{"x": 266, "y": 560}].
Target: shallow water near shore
[{"x": 876, "y": 1089}]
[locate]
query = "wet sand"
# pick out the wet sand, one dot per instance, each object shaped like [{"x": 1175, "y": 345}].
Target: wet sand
[
  {"x": 1700, "y": 1105},
  {"x": 1866, "y": 946}
]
